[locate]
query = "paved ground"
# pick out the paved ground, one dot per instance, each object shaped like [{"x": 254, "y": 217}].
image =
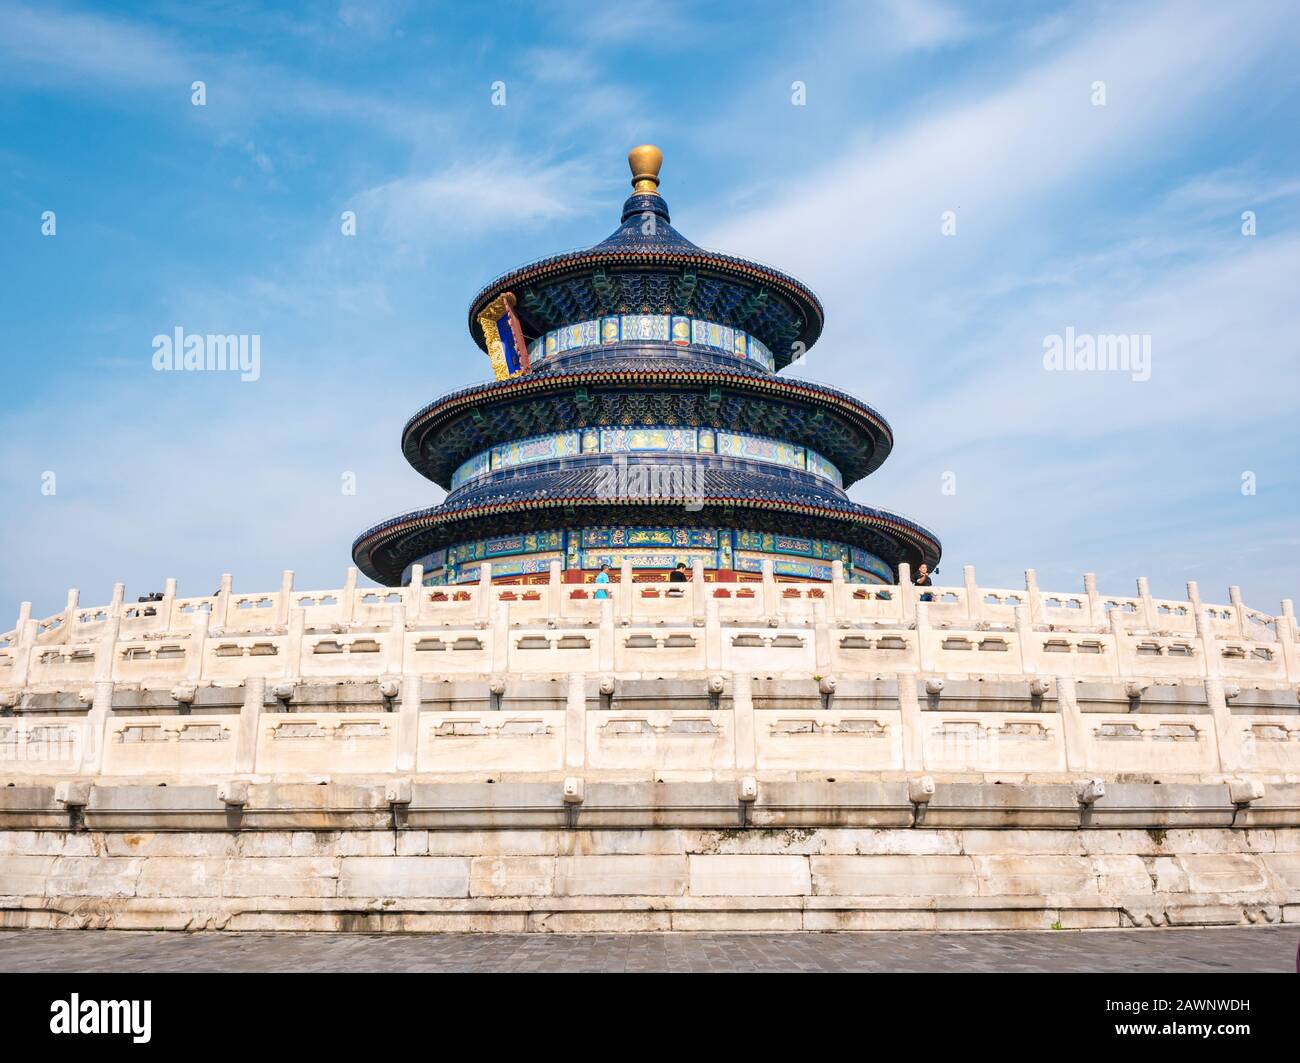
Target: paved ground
[{"x": 1227, "y": 949}]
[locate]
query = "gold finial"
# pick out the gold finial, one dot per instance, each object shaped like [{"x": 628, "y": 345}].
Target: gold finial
[{"x": 645, "y": 162}]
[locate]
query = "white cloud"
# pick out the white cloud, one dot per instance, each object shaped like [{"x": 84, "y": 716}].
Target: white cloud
[{"x": 479, "y": 196}]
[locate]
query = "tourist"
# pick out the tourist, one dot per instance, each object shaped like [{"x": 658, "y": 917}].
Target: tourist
[
  {"x": 923, "y": 580},
  {"x": 603, "y": 577},
  {"x": 678, "y": 575}
]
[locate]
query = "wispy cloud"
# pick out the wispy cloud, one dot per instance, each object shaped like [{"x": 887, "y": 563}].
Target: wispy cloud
[{"x": 490, "y": 194}]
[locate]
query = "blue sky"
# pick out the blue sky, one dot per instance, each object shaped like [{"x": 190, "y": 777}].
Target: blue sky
[{"x": 1117, "y": 219}]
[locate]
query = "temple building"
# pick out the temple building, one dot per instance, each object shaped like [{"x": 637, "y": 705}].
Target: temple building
[{"x": 638, "y": 415}]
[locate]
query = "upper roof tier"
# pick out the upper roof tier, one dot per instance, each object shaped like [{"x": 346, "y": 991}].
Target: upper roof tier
[{"x": 647, "y": 267}]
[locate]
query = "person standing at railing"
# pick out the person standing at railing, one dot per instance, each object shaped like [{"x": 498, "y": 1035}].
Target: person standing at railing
[
  {"x": 678, "y": 575},
  {"x": 602, "y": 577},
  {"x": 923, "y": 580}
]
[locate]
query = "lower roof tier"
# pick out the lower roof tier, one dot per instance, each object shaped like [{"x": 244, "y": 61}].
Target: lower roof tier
[{"x": 577, "y": 498}]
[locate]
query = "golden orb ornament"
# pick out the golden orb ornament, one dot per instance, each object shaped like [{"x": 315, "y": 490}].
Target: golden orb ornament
[{"x": 644, "y": 162}]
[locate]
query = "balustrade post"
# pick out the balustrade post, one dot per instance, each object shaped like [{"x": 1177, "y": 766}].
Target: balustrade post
[
  {"x": 1074, "y": 729},
  {"x": 624, "y": 590},
  {"x": 70, "y": 613},
  {"x": 1034, "y": 595},
  {"x": 408, "y": 722},
  {"x": 906, "y": 592},
  {"x": 484, "y": 596},
  {"x": 913, "y": 723},
  {"x": 167, "y": 608},
  {"x": 285, "y": 599},
  {"x": 250, "y": 722},
  {"x": 415, "y": 595},
  {"x": 1209, "y": 643},
  {"x": 221, "y": 609},
  {"x": 1148, "y": 606},
  {"x": 348, "y": 606},
  {"x": 742, "y": 713},
  {"x": 554, "y": 591},
  {"x": 1239, "y": 609},
  {"x": 1096, "y": 614},
  {"x": 1286, "y": 637},
  {"x": 771, "y": 601},
  {"x": 974, "y": 607},
  {"x": 575, "y": 723},
  {"x": 699, "y": 592}
]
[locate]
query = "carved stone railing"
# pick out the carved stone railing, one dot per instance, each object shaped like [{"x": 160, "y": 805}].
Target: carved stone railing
[{"x": 657, "y": 677}]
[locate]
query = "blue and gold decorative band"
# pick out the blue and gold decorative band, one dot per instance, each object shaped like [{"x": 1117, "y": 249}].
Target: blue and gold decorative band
[
  {"x": 662, "y": 440},
  {"x": 507, "y": 351},
  {"x": 652, "y": 548},
  {"x": 664, "y": 328}
]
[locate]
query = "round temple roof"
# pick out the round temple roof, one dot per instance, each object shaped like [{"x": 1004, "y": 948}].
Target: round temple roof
[{"x": 647, "y": 267}]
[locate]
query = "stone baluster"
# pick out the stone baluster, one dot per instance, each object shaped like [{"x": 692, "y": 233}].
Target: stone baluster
[
  {"x": 605, "y": 643},
  {"x": 974, "y": 607},
  {"x": 26, "y": 645},
  {"x": 1148, "y": 606},
  {"x": 575, "y": 723},
  {"x": 167, "y": 608},
  {"x": 408, "y": 721},
  {"x": 839, "y": 591},
  {"x": 1225, "y": 730},
  {"x": 221, "y": 610},
  {"x": 1239, "y": 612},
  {"x": 1194, "y": 596},
  {"x": 1074, "y": 729},
  {"x": 501, "y": 648},
  {"x": 294, "y": 643},
  {"x": 743, "y": 722},
  {"x": 414, "y": 593},
  {"x": 771, "y": 599},
  {"x": 1096, "y": 612},
  {"x": 907, "y": 594},
  {"x": 1028, "y": 641},
  {"x": 1209, "y": 643},
  {"x": 70, "y": 614},
  {"x": 250, "y": 722},
  {"x": 394, "y": 652},
  {"x": 822, "y": 636},
  {"x": 924, "y": 635},
  {"x": 1035, "y": 597},
  {"x": 699, "y": 592},
  {"x": 1286, "y": 637},
  {"x": 555, "y": 592},
  {"x": 712, "y": 635},
  {"x": 97, "y": 723},
  {"x": 1125, "y": 645},
  {"x": 912, "y": 722},
  {"x": 284, "y": 600},
  {"x": 348, "y": 602},
  {"x": 196, "y": 652},
  {"x": 106, "y": 660},
  {"x": 484, "y": 596},
  {"x": 624, "y": 589}
]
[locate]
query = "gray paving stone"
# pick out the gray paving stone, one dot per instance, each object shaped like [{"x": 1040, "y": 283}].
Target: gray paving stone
[{"x": 1218, "y": 949}]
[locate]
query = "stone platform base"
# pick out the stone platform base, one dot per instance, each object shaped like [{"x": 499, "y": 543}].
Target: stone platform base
[{"x": 576, "y": 880}]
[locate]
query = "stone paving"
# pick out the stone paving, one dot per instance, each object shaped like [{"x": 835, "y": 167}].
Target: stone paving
[{"x": 1205, "y": 950}]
